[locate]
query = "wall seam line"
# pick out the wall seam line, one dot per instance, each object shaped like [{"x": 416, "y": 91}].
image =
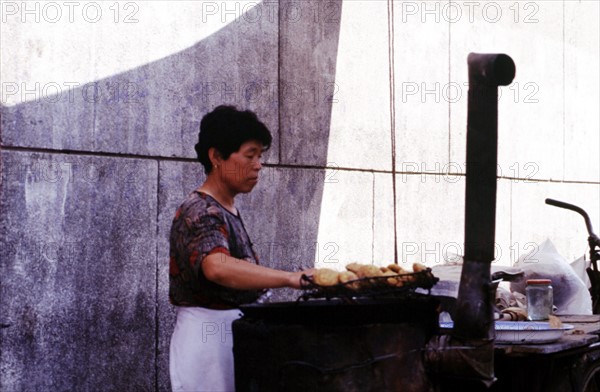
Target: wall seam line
[
  {"x": 280, "y": 131},
  {"x": 449, "y": 81},
  {"x": 564, "y": 125},
  {"x": 287, "y": 166},
  {"x": 390, "y": 12},
  {"x": 156, "y": 259},
  {"x": 373, "y": 220}
]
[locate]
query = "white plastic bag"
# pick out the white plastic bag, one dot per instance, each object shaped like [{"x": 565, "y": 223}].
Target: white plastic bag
[
  {"x": 571, "y": 295},
  {"x": 580, "y": 267}
]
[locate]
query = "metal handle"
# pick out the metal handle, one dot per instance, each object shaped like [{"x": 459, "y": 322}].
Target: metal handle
[{"x": 572, "y": 207}]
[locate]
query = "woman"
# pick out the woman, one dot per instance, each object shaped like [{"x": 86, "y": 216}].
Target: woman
[{"x": 213, "y": 266}]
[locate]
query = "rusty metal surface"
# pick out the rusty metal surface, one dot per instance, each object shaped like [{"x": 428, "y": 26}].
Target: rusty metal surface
[
  {"x": 370, "y": 357},
  {"x": 573, "y": 370}
]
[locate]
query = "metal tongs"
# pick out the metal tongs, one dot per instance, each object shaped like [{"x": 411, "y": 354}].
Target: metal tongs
[{"x": 594, "y": 243}]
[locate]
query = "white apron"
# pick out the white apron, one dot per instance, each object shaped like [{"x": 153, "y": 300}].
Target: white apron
[{"x": 201, "y": 356}]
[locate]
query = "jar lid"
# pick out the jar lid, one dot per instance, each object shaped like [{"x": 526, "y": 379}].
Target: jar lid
[{"x": 539, "y": 281}]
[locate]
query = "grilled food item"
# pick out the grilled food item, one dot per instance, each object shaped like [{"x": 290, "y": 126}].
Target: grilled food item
[
  {"x": 418, "y": 267},
  {"x": 353, "y": 267},
  {"x": 406, "y": 275},
  {"x": 368, "y": 271},
  {"x": 326, "y": 277},
  {"x": 348, "y": 276},
  {"x": 394, "y": 280},
  {"x": 398, "y": 269},
  {"x": 365, "y": 271}
]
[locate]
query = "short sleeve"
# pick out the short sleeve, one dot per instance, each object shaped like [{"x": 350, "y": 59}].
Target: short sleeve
[{"x": 209, "y": 235}]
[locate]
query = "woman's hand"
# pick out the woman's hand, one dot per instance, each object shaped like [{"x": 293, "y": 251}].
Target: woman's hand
[{"x": 295, "y": 280}]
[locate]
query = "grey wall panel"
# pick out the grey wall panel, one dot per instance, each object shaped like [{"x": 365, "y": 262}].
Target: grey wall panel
[
  {"x": 309, "y": 35},
  {"x": 155, "y": 109},
  {"x": 78, "y": 272}
]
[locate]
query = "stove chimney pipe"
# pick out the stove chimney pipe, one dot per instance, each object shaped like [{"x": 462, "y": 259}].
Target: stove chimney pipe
[
  {"x": 468, "y": 353},
  {"x": 474, "y": 312}
]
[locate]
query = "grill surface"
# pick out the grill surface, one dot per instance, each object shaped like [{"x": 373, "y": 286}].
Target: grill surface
[{"x": 404, "y": 285}]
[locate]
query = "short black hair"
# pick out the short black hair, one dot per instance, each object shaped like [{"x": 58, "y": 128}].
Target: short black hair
[{"x": 226, "y": 128}]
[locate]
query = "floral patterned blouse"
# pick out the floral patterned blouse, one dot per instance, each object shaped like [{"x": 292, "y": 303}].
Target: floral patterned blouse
[{"x": 202, "y": 227}]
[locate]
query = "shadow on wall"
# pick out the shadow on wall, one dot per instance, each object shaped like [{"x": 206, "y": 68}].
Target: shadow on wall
[{"x": 92, "y": 177}]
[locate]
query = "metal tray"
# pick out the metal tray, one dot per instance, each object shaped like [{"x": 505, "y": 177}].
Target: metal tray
[{"x": 524, "y": 332}]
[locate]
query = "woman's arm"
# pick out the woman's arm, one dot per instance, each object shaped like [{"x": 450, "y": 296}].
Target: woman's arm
[{"x": 242, "y": 275}]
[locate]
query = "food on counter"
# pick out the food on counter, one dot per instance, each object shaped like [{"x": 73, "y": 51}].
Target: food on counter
[
  {"x": 513, "y": 314},
  {"x": 554, "y": 321},
  {"x": 326, "y": 277}
]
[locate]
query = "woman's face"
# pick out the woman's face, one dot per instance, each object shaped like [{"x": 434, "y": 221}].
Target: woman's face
[{"x": 239, "y": 172}]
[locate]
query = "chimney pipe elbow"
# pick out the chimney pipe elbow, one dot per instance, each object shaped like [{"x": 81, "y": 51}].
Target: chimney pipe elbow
[{"x": 491, "y": 69}]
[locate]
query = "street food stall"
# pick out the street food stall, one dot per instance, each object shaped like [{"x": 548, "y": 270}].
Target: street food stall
[{"x": 381, "y": 330}]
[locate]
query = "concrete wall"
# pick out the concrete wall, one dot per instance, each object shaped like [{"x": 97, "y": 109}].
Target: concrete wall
[{"x": 100, "y": 111}]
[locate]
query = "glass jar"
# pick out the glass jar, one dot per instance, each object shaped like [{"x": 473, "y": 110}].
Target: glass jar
[{"x": 539, "y": 299}]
